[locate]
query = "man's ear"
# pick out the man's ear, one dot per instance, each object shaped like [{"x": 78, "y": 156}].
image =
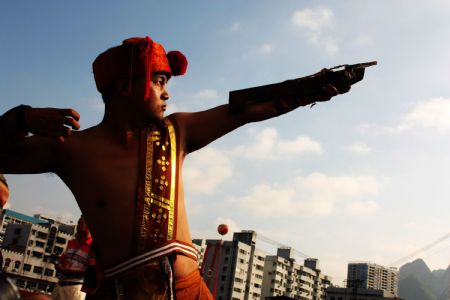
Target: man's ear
[{"x": 123, "y": 86}]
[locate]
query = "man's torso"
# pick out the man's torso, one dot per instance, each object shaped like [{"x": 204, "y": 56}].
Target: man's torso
[{"x": 102, "y": 173}]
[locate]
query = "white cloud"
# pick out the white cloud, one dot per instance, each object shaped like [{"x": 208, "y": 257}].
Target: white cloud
[
  {"x": 363, "y": 41},
  {"x": 314, "y": 20},
  {"x": 314, "y": 195},
  {"x": 266, "y": 200},
  {"x": 315, "y": 23},
  {"x": 363, "y": 208},
  {"x": 65, "y": 216},
  {"x": 267, "y": 145},
  {"x": 433, "y": 113},
  {"x": 329, "y": 45},
  {"x": 206, "y": 94},
  {"x": 205, "y": 170},
  {"x": 359, "y": 148},
  {"x": 262, "y": 147},
  {"x": 266, "y": 49},
  {"x": 236, "y": 26},
  {"x": 302, "y": 144}
]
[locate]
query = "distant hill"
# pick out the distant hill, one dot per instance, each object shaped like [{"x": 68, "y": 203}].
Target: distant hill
[{"x": 418, "y": 282}]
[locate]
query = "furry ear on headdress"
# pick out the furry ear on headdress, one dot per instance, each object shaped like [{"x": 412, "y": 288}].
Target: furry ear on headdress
[{"x": 178, "y": 63}]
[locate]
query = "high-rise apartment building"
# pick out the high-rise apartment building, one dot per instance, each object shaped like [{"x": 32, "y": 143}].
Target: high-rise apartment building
[
  {"x": 372, "y": 276},
  {"x": 284, "y": 277},
  {"x": 238, "y": 270},
  {"x": 234, "y": 269}
]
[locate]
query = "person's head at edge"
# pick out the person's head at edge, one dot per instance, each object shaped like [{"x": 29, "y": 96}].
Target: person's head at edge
[
  {"x": 83, "y": 232},
  {"x": 132, "y": 78},
  {"x": 4, "y": 191}
]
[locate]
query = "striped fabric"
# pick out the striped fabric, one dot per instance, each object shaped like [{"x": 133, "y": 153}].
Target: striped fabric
[{"x": 173, "y": 247}]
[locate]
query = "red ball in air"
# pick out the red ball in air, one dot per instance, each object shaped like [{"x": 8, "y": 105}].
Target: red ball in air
[{"x": 222, "y": 229}]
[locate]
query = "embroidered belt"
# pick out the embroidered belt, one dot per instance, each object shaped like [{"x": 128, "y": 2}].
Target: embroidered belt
[{"x": 145, "y": 258}]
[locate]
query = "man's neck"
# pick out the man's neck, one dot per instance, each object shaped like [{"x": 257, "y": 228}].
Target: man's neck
[{"x": 121, "y": 127}]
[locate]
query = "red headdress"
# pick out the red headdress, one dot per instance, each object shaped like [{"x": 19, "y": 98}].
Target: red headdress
[{"x": 136, "y": 57}]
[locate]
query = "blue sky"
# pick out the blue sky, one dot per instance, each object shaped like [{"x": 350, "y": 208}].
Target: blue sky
[{"x": 363, "y": 177}]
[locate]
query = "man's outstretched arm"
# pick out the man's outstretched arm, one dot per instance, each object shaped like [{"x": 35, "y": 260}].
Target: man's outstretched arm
[
  {"x": 22, "y": 153},
  {"x": 201, "y": 128}
]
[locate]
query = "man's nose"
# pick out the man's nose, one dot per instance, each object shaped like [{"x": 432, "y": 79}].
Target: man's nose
[{"x": 165, "y": 95}]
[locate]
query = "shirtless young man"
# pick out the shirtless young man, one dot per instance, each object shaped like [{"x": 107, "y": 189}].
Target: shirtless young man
[{"x": 125, "y": 172}]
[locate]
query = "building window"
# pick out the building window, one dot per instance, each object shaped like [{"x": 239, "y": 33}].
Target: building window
[
  {"x": 26, "y": 268},
  {"x": 20, "y": 283},
  {"x": 7, "y": 262},
  {"x": 61, "y": 240},
  {"x": 40, "y": 244},
  {"x": 58, "y": 250},
  {"x": 42, "y": 287},
  {"x": 48, "y": 272},
  {"x": 37, "y": 270},
  {"x": 37, "y": 254},
  {"x": 17, "y": 264},
  {"x": 41, "y": 235},
  {"x": 31, "y": 285}
]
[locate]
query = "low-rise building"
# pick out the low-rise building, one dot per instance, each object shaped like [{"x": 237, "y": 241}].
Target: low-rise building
[
  {"x": 8, "y": 216},
  {"x": 336, "y": 293},
  {"x": 29, "y": 251}
]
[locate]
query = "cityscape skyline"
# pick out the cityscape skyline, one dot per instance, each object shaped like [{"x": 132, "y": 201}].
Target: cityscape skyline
[
  {"x": 232, "y": 269},
  {"x": 273, "y": 248}
]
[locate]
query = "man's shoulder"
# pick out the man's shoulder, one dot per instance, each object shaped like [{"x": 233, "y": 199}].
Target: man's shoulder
[{"x": 86, "y": 136}]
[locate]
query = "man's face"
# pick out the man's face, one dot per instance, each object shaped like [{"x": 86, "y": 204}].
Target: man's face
[
  {"x": 155, "y": 105},
  {"x": 82, "y": 227}
]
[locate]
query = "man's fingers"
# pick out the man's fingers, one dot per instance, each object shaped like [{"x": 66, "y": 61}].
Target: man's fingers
[
  {"x": 328, "y": 91},
  {"x": 331, "y": 90},
  {"x": 69, "y": 112},
  {"x": 71, "y": 122},
  {"x": 65, "y": 131}
]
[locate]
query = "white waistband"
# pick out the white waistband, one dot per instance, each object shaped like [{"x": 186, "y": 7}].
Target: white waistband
[{"x": 141, "y": 259}]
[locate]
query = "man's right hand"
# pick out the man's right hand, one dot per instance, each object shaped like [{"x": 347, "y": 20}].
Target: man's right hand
[{"x": 52, "y": 122}]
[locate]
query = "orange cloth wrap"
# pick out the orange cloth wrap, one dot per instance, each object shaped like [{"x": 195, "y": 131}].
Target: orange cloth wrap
[{"x": 192, "y": 287}]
